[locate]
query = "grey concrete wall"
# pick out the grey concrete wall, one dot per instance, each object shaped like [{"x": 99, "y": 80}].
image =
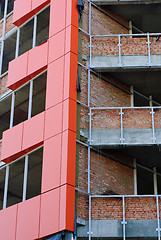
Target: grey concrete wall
[
  {"x": 135, "y": 136},
  {"x": 127, "y": 61},
  {"x": 113, "y": 229}
]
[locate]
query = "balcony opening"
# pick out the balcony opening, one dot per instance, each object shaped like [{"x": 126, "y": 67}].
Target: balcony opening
[
  {"x": 39, "y": 94},
  {"x": 34, "y": 173},
  {"x": 2, "y": 183},
  {"x": 15, "y": 182},
  {"x": 26, "y": 37},
  {"x": 5, "y": 110},
  {"x": 9, "y": 51},
  {"x": 21, "y": 104},
  {"x": 42, "y": 33}
]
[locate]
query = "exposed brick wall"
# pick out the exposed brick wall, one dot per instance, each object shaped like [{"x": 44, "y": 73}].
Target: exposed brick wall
[
  {"x": 9, "y": 24},
  {"x": 135, "y": 208},
  {"x": 132, "y": 118},
  {"x": 3, "y": 85},
  {"x": 130, "y": 46}
]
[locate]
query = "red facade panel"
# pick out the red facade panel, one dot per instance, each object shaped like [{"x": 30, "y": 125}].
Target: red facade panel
[
  {"x": 17, "y": 72},
  {"x": 37, "y": 61},
  {"x": 28, "y": 219},
  {"x": 69, "y": 115},
  {"x": 49, "y": 213},
  {"x": 51, "y": 171},
  {"x": 55, "y": 83},
  {"x": 8, "y": 219},
  {"x": 33, "y": 132},
  {"x": 68, "y": 158},
  {"x": 53, "y": 121},
  {"x": 70, "y": 76},
  {"x": 56, "y": 46},
  {"x": 71, "y": 42},
  {"x": 12, "y": 143},
  {"x": 57, "y": 16}
]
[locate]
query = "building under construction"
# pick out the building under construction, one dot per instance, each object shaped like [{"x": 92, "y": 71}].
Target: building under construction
[{"x": 80, "y": 119}]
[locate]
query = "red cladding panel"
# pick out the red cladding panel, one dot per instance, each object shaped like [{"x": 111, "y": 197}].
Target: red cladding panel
[
  {"x": 67, "y": 208},
  {"x": 71, "y": 39},
  {"x": 49, "y": 213},
  {"x": 68, "y": 158},
  {"x": 57, "y": 16},
  {"x": 22, "y": 12},
  {"x": 70, "y": 76},
  {"x": 69, "y": 115},
  {"x": 72, "y": 13},
  {"x": 12, "y": 142},
  {"x": 56, "y": 46},
  {"x": 38, "y": 58},
  {"x": 53, "y": 121},
  {"x": 37, "y": 5},
  {"x": 17, "y": 72},
  {"x": 8, "y": 218},
  {"x": 33, "y": 133},
  {"x": 55, "y": 80},
  {"x": 51, "y": 163},
  {"x": 28, "y": 219}
]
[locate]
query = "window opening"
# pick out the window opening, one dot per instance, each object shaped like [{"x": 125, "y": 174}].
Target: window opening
[
  {"x": 42, "y": 33},
  {"x": 34, "y": 173},
  {"x": 10, "y": 6},
  {"x": 15, "y": 183},
  {"x": 2, "y": 184},
  {"x": 5, "y": 111},
  {"x": 21, "y": 105},
  {"x": 26, "y": 37},
  {"x": 9, "y": 51},
  {"x": 39, "y": 94},
  {"x": 2, "y": 6}
]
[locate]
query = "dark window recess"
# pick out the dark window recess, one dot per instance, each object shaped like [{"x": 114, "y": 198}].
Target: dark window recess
[
  {"x": 2, "y": 184},
  {"x": 144, "y": 182},
  {"x": 9, "y": 51},
  {"x": 5, "y": 110},
  {"x": 15, "y": 183},
  {"x": 39, "y": 94},
  {"x": 10, "y": 6},
  {"x": 21, "y": 105},
  {"x": 159, "y": 184},
  {"x": 26, "y": 37},
  {"x": 34, "y": 173},
  {"x": 2, "y": 5},
  {"x": 42, "y": 33}
]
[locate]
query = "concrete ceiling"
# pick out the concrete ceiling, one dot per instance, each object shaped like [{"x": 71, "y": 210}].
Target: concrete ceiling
[{"x": 146, "y": 17}]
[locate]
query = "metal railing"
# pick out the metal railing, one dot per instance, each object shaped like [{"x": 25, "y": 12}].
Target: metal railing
[
  {"x": 119, "y": 44},
  {"x": 122, "y": 122},
  {"x": 124, "y": 220}
]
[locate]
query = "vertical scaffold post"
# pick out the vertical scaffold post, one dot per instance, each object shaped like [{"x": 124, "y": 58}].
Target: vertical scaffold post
[
  {"x": 124, "y": 222},
  {"x": 158, "y": 218},
  {"x": 153, "y": 127},
  {"x": 90, "y": 126},
  {"x": 119, "y": 45},
  {"x": 122, "y": 133},
  {"x": 90, "y": 217},
  {"x": 89, "y": 156},
  {"x": 17, "y": 43},
  {"x": 149, "y": 54}
]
